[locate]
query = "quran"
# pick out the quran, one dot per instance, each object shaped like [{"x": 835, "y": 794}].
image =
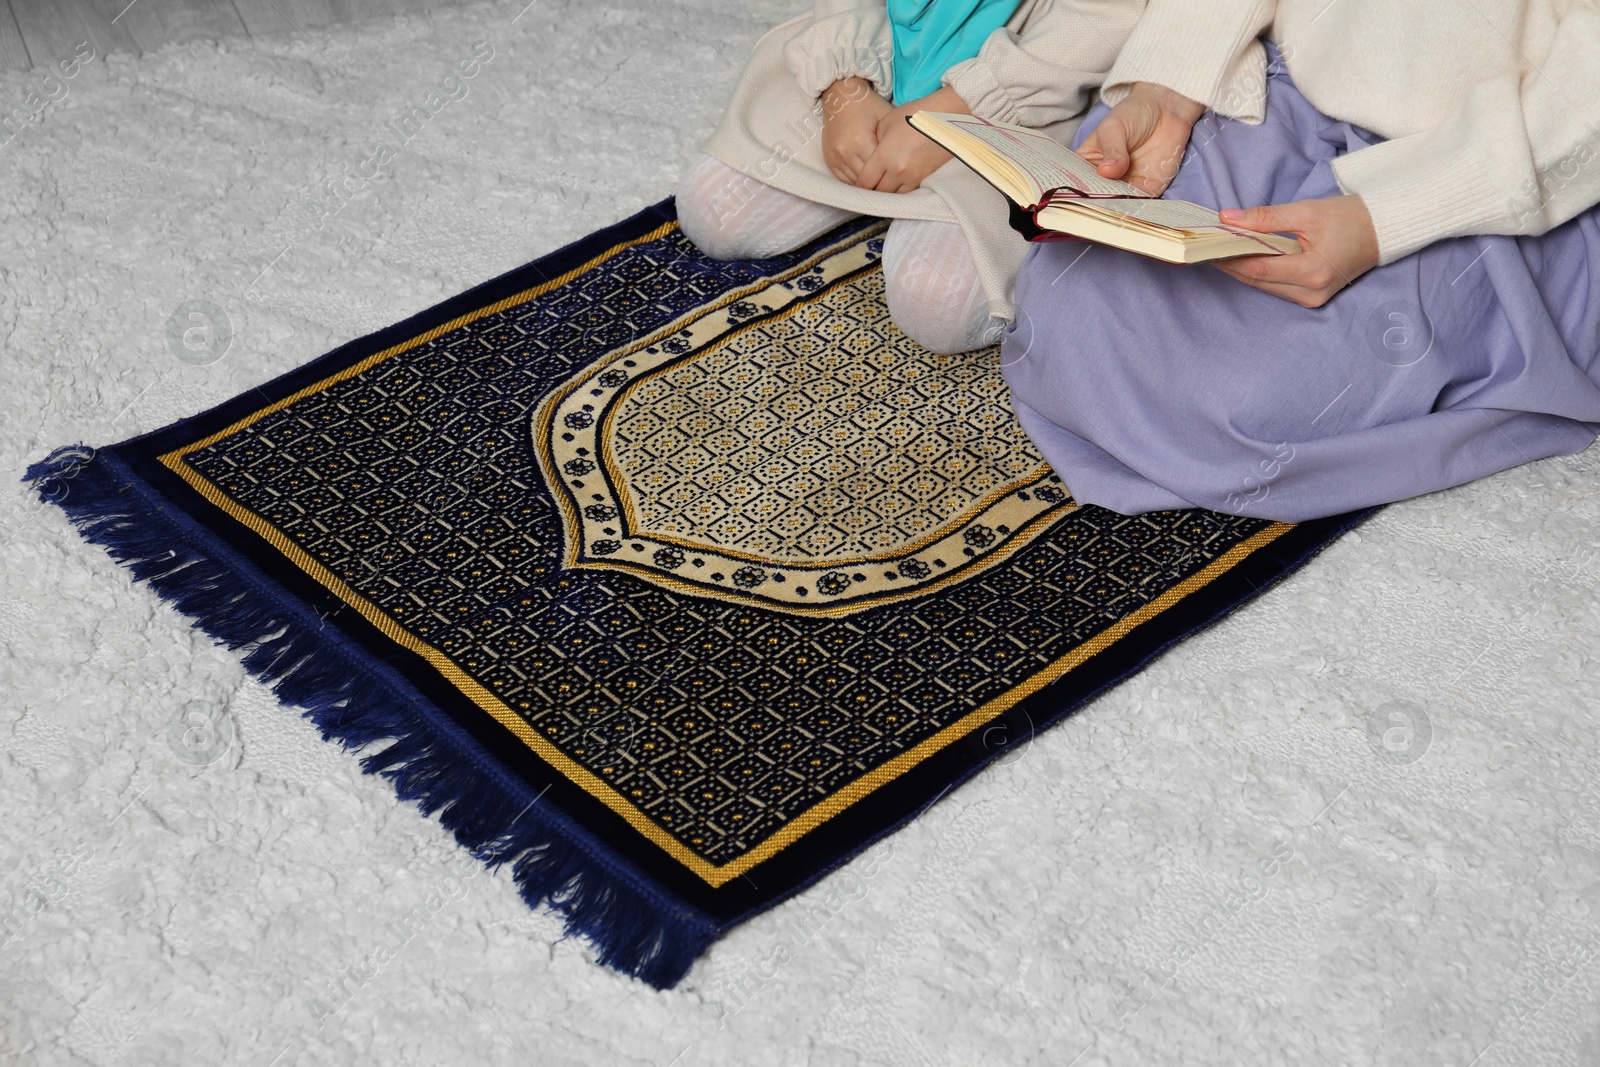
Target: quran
[{"x": 1056, "y": 194}]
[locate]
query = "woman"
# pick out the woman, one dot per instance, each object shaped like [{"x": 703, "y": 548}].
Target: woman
[
  {"x": 1441, "y": 323},
  {"x": 812, "y": 139}
]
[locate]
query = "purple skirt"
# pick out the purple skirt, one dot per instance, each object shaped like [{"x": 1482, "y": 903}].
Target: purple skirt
[{"x": 1150, "y": 386}]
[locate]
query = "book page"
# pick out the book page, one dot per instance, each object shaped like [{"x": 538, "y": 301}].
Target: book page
[
  {"x": 1051, "y": 164},
  {"x": 1148, "y": 227},
  {"x": 1173, "y": 214},
  {"x": 1181, "y": 217}
]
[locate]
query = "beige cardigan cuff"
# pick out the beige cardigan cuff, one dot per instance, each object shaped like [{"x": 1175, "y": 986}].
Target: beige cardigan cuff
[
  {"x": 1417, "y": 194},
  {"x": 1515, "y": 157},
  {"x": 1205, "y": 49},
  {"x": 981, "y": 91},
  {"x": 850, "y": 44},
  {"x": 1045, "y": 71}
]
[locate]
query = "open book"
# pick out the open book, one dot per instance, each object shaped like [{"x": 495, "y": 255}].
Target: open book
[{"x": 1055, "y": 193}]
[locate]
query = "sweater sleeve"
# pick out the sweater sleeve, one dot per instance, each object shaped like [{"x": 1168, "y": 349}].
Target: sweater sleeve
[
  {"x": 1205, "y": 49},
  {"x": 1047, "y": 72},
  {"x": 1520, "y": 154},
  {"x": 846, "y": 39}
]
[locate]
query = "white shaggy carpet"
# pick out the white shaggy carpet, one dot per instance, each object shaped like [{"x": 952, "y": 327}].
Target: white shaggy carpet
[{"x": 1220, "y": 862}]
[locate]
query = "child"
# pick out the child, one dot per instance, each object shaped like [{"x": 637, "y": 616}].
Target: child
[
  {"x": 1442, "y": 321},
  {"x": 811, "y": 139}
]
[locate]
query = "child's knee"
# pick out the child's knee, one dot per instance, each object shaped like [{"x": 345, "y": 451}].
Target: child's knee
[
  {"x": 711, "y": 197},
  {"x": 701, "y": 227},
  {"x": 943, "y": 310},
  {"x": 912, "y": 314},
  {"x": 940, "y": 331}
]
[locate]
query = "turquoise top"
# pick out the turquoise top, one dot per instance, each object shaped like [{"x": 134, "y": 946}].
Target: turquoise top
[{"x": 931, "y": 36}]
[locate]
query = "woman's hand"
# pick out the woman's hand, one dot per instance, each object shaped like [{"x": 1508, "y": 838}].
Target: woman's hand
[
  {"x": 851, "y": 108},
  {"x": 1337, "y": 240},
  {"x": 1142, "y": 138},
  {"x": 905, "y": 157}
]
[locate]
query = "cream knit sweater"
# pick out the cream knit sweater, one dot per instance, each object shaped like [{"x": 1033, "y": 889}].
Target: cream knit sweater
[
  {"x": 1491, "y": 107},
  {"x": 1039, "y": 70}
]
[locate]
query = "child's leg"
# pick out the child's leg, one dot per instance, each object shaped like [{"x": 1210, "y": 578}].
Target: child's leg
[
  {"x": 729, "y": 215},
  {"x": 932, "y": 284}
]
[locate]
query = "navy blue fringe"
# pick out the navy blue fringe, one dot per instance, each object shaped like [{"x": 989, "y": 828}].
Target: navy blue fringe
[{"x": 633, "y": 928}]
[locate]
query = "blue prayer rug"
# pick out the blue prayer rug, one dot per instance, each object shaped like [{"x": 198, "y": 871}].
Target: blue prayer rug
[{"x": 674, "y": 583}]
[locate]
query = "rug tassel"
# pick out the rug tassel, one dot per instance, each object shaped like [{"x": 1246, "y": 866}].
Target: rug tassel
[{"x": 633, "y": 928}]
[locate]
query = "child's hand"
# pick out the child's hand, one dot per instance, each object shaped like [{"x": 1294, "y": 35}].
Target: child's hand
[
  {"x": 1142, "y": 139},
  {"x": 905, "y": 157},
  {"x": 851, "y": 109}
]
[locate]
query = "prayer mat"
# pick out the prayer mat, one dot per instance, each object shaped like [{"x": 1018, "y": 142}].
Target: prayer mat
[{"x": 674, "y": 583}]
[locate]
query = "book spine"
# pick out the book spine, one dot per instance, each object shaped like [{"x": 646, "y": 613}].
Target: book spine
[{"x": 1022, "y": 220}]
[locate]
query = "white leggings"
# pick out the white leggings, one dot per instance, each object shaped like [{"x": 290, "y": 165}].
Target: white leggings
[{"x": 929, "y": 276}]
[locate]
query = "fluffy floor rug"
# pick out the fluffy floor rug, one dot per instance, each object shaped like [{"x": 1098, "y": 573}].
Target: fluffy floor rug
[{"x": 1354, "y": 823}]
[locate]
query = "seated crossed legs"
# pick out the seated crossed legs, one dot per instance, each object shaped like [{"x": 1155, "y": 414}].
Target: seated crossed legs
[{"x": 930, "y": 279}]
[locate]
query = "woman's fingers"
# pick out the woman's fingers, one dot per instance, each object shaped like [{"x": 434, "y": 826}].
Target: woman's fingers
[
  {"x": 1337, "y": 240},
  {"x": 1295, "y": 294},
  {"x": 1289, "y": 269},
  {"x": 1270, "y": 218},
  {"x": 1157, "y": 164},
  {"x": 1249, "y": 269},
  {"x": 1306, "y": 278},
  {"x": 1142, "y": 138},
  {"x": 1110, "y": 146}
]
